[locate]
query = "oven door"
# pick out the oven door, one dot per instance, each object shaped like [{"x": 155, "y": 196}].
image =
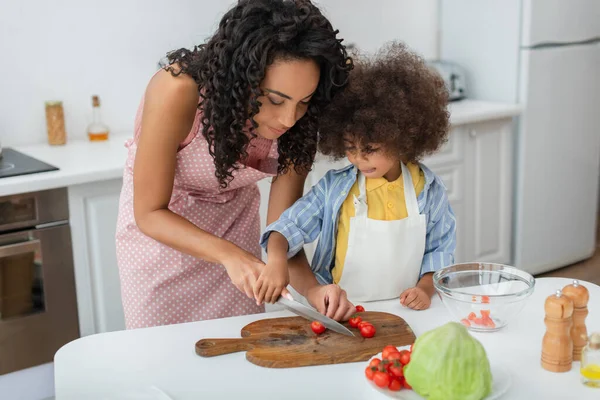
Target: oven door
[{"x": 38, "y": 305}]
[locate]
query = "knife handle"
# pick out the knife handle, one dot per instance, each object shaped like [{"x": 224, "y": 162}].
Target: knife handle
[{"x": 217, "y": 347}]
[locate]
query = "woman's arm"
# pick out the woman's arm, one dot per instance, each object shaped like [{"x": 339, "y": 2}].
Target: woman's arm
[{"x": 169, "y": 109}]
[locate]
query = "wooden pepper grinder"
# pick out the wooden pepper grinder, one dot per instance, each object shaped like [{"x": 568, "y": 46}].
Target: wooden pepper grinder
[
  {"x": 580, "y": 297},
  {"x": 557, "y": 345}
]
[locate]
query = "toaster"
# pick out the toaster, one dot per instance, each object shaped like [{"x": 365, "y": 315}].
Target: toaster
[{"x": 453, "y": 76}]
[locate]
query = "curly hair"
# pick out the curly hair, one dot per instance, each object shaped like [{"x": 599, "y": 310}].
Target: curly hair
[
  {"x": 392, "y": 99},
  {"x": 230, "y": 67}
]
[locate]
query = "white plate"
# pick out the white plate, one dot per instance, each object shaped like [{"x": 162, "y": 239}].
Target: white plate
[{"x": 501, "y": 382}]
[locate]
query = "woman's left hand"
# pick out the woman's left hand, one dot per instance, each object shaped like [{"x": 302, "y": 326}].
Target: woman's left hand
[{"x": 272, "y": 282}]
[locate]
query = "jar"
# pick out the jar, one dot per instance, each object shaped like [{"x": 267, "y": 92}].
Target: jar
[
  {"x": 55, "y": 123},
  {"x": 590, "y": 362}
]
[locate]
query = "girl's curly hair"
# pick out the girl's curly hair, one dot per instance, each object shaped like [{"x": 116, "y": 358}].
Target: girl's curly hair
[
  {"x": 230, "y": 66},
  {"x": 392, "y": 99}
]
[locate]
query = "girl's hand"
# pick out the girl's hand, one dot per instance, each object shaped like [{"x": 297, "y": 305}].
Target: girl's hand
[
  {"x": 331, "y": 301},
  {"x": 271, "y": 282},
  {"x": 415, "y": 298},
  {"x": 243, "y": 268}
]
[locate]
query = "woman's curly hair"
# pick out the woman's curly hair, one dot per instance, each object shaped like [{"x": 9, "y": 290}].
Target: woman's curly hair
[
  {"x": 230, "y": 66},
  {"x": 392, "y": 99}
]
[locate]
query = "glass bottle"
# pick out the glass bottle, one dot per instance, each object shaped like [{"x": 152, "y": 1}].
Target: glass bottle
[
  {"x": 590, "y": 362},
  {"x": 97, "y": 130}
]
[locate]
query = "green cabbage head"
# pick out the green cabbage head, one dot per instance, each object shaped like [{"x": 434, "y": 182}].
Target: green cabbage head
[{"x": 447, "y": 363}]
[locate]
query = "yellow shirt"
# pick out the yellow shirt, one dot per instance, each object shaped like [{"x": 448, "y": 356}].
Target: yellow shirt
[{"x": 385, "y": 202}]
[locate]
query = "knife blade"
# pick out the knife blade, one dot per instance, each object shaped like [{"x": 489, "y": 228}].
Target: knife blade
[{"x": 313, "y": 315}]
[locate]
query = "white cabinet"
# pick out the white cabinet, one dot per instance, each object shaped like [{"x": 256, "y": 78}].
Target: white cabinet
[
  {"x": 476, "y": 167},
  {"x": 93, "y": 211}
]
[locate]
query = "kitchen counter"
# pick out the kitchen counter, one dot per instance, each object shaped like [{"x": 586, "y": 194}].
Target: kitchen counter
[
  {"x": 81, "y": 161},
  {"x": 114, "y": 364}
]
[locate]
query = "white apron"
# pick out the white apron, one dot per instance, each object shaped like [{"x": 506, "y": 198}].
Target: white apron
[{"x": 384, "y": 257}]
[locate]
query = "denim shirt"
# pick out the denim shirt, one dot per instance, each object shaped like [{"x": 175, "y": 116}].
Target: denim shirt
[{"x": 316, "y": 214}]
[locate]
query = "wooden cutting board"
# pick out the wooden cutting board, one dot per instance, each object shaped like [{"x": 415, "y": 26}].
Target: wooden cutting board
[{"x": 290, "y": 342}]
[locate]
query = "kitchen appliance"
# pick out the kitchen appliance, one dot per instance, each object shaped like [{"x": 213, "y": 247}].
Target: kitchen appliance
[
  {"x": 38, "y": 306},
  {"x": 311, "y": 314},
  {"x": 454, "y": 77},
  {"x": 289, "y": 342},
  {"x": 14, "y": 163},
  {"x": 545, "y": 55}
]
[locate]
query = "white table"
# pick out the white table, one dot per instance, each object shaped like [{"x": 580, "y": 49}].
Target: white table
[{"x": 105, "y": 366}]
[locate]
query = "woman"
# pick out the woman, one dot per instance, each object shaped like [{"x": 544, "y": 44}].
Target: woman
[{"x": 242, "y": 107}]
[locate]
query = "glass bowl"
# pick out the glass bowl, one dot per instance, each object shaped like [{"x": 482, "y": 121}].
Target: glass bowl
[{"x": 483, "y": 296}]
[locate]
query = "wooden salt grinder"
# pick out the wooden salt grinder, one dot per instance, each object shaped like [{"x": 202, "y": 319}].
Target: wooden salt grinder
[
  {"x": 580, "y": 297},
  {"x": 557, "y": 345}
]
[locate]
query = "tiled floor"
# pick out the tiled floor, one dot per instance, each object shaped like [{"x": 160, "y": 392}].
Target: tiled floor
[{"x": 588, "y": 270}]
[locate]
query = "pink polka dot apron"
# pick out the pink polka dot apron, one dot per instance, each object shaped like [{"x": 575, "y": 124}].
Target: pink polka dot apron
[{"x": 160, "y": 285}]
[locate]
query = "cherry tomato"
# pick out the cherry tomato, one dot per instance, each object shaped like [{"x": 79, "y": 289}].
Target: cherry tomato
[
  {"x": 405, "y": 357},
  {"x": 317, "y": 327},
  {"x": 360, "y": 308},
  {"x": 387, "y": 350},
  {"x": 361, "y": 323},
  {"x": 395, "y": 385},
  {"x": 396, "y": 369},
  {"x": 369, "y": 372},
  {"x": 395, "y": 355},
  {"x": 374, "y": 362},
  {"x": 354, "y": 321},
  {"x": 367, "y": 331},
  {"x": 381, "y": 379}
]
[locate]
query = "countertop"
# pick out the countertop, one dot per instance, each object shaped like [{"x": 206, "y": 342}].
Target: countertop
[
  {"x": 109, "y": 365},
  {"x": 81, "y": 161}
]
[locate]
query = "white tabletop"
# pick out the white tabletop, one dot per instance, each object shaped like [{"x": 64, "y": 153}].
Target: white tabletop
[{"x": 111, "y": 365}]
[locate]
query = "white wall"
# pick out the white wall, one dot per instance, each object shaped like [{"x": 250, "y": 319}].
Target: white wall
[{"x": 70, "y": 49}]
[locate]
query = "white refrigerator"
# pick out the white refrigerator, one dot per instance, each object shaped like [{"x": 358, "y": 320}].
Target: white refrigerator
[{"x": 545, "y": 55}]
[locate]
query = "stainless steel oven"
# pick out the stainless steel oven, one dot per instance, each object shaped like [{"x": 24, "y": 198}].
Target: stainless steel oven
[{"x": 38, "y": 305}]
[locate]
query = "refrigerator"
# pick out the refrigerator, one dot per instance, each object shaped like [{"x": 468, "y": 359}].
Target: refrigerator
[{"x": 544, "y": 55}]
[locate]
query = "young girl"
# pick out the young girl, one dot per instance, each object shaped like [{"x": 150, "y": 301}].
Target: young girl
[
  {"x": 242, "y": 107},
  {"x": 384, "y": 222}
]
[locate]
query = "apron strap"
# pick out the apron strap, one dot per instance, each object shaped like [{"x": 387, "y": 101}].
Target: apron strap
[
  {"x": 410, "y": 196},
  {"x": 360, "y": 203}
]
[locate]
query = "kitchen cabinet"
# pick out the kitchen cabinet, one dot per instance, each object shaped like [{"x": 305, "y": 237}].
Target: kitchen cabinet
[{"x": 93, "y": 211}]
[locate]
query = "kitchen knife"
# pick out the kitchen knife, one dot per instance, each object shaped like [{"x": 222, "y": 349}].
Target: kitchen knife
[{"x": 313, "y": 315}]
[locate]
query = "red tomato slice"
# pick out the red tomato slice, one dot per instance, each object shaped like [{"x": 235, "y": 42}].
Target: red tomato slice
[{"x": 317, "y": 327}]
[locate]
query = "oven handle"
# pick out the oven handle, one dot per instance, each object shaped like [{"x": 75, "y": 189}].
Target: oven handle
[{"x": 19, "y": 248}]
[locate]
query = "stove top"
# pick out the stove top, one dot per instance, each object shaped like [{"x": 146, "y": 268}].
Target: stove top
[{"x": 14, "y": 163}]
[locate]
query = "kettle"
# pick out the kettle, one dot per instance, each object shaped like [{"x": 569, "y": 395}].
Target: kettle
[{"x": 453, "y": 76}]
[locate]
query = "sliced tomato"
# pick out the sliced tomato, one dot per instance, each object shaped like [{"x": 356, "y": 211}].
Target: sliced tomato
[
  {"x": 465, "y": 322},
  {"x": 317, "y": 327},
  {"x": 354, "y": 321},
  {"x": 472, "y": 316},
  {"x": 485, "y": 299},
  {"x": 362, "y": 323},
  {"x": 485, "y": 314},
  {"x": 360, "y": 308},
  {"x": 367, "y": 331}
]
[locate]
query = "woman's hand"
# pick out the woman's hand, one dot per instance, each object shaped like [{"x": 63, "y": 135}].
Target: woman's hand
[
  {"x": 242, "y": 267},
  {"x": 331, "y": 301},
  {"x": 272, "y": 282}
]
